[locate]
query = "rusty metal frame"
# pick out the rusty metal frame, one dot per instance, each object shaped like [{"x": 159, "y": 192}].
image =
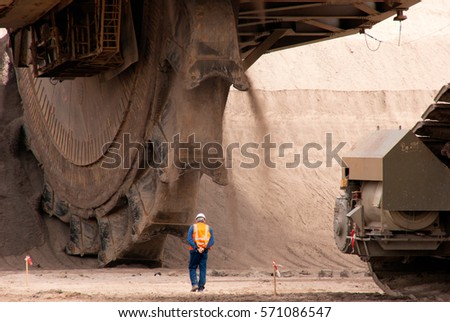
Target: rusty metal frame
[{"x": 305, "y": 22}]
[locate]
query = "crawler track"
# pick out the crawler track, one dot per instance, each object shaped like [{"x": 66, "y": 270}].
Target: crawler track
[{"x": 418, "y": 277}]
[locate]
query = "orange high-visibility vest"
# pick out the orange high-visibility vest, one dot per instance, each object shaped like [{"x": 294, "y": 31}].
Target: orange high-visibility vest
[{"x": 201, "y": 234}]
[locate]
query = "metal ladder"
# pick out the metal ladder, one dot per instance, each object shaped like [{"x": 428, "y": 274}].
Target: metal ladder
[{"x": 110, "y": 26}]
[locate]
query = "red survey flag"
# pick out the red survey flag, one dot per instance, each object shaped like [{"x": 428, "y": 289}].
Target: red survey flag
[
  {"x": 28, "y": 260},
  {"x": 275, "y": 265}
]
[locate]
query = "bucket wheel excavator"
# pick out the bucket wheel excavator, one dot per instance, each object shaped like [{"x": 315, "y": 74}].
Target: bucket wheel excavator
[{"x": 123, "y": 104}]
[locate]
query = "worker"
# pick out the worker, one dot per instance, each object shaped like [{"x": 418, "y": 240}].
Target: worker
[{"x": 200, "y": 239}]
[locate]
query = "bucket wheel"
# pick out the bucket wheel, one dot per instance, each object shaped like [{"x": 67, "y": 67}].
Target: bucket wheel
[{"x": 94, "y": 137}]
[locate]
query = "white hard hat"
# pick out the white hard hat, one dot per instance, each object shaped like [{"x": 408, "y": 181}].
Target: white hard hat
[{"x": 200, "y": 216}]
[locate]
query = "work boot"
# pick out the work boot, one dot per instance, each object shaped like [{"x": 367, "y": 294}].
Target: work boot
[
  {"x": 201, "y": 289},
  {"x": 194, "y": 288}
]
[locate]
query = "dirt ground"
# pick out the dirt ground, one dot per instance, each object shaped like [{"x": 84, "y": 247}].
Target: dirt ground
[
  {"x": 300, "y": 95},
  {"x": 170, "y": 285}
]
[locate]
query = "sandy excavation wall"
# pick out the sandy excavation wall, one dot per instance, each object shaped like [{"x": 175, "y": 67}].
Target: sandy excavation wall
[
  {"x": 285, "y": 213},
  {"x": 361, "y": 63},
  {"x": 341, "y": 87}
]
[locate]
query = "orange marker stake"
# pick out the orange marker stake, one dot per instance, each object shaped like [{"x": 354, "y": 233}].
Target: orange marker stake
[
  {"x": 28, "y": 261},
  {"x": 275, "y": 269}
]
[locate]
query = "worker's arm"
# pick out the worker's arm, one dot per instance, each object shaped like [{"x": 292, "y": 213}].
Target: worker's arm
[
  {"x": 189, "y": 237},
  {"x": 211, "y": 240}
]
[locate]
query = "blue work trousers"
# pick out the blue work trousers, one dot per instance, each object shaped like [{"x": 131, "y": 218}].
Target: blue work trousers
[{"x": 198, "y": 260}]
